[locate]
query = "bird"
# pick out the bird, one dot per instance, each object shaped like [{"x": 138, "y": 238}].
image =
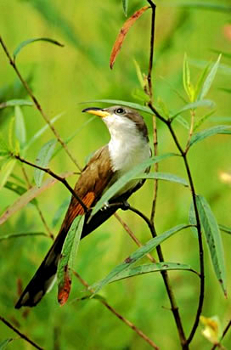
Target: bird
[{"x": 128, "y": 146}]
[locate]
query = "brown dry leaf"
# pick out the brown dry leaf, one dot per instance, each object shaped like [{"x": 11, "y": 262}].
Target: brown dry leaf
[
  {"x": 65, "y": 288},
  {"x": 123, "y": 32},
  {"x": 28, "y": 196}
]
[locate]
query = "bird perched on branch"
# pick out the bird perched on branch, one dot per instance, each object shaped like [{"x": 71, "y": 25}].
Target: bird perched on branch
[{"x": 128, "y": 146}]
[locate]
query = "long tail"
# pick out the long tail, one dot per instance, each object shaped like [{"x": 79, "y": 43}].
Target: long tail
[{"x": 45, "y": 276}]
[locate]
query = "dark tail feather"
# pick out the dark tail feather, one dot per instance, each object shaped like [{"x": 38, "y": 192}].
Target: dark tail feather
[{"x": 45, "y": 276}]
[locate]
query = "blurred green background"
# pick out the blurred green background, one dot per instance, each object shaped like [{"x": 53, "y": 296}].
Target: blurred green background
[{"x": 61, "y": 78}]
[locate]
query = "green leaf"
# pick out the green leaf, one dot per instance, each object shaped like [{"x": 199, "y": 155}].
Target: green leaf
[
  {"x": 194, "y": 105},
  {"x": 41, "y": 131},
  {"x": 139, "y": 254},
  {"x": 182, "y": 121},
  {"x": 148, "y": 268},
  {"x": 222, "y": 69},
  {"x": 186, "y": 80},
  {"x": 6, "y": 170},
  {"x": 20, "y": 190},
  {"x": 11, "y": 134},
  {"x": 192, "y": 220},
  {"x": 225, "y": 90},
  {"x": 66, "y": 262},
  {"x": 203, "y": 6},
  {"x": 20, "y": 128},
  {"x": 13, "y": 103},
  {"x": 62, "y": 208},
  {"x": 23, "y": 234},
  {"x": 69, "y": 138},
  {"x": 55, "y": 17},
  {"x": 5, "y": 343},
  {"x": 123, "y": 180},
  {"x": 201, "y": 135},
  {"x": 139, "y": 74},
  {"x": 225, "y": 229},
  {"x": 3, "y": 145},
  {"x": 200, "y": 81},
  {"x": 43, "y": 159},
  {"x": 30, "y": 41},
  {"x": 202, "y": 120},
  {"x": 223, "y": 53},
  {"x": 164, "y": 176},
  {"x": 136, "y": 106},
  {"x": 213, "y": 238},
  {"x": 125, "y": 7},
  {"x": 209, "y": 80}
]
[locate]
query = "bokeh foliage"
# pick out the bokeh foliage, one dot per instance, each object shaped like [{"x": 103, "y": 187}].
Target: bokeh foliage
[{"x": 61, "y": 78}]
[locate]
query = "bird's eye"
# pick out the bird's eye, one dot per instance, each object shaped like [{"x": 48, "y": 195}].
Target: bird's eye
[{"x": 120, "y": 111}]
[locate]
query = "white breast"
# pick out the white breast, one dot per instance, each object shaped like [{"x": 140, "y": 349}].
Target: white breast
[{"x": 127, "y": 146}]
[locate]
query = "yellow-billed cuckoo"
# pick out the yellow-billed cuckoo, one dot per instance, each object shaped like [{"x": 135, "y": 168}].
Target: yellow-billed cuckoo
[{"x": 127, "y": 147}]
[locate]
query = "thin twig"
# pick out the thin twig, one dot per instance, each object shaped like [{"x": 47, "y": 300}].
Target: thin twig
[
  {"x": 57, "y": 177},
  {"x": 174, "y": 307},
  {"x": 150, "y": 222},
  {"x": 156, "y": 167},
  {"x": 223, "y": 334},
  {"x": 133, "y": 237},
  {"x": 122, "y": 318},
  {"x": 50, "y": 234},
  {"x": 37, "y": 104},
  {"x": 198, "y": 225},
  {"x": 23, "y": 336}
]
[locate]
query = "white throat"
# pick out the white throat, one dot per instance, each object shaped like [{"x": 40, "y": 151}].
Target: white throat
[{"x": 127, "y": 147}]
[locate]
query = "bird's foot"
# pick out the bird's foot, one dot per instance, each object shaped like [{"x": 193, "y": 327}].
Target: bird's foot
[{"x": 125, "y": 205}]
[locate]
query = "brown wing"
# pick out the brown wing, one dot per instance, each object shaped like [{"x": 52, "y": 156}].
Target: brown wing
[{"x": 94, "y": 178}]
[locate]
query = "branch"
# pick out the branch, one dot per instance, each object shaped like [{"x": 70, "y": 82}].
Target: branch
[
  {"x": 198, "y": 225},
  {"x": 123, "y": 319},
  {"x": 50, "y": 234},
  {"x": 57, "y": 177},
  {"x": 223, "y": 334},
  {"x": 36, "y": 102},
  {"x": 133, "y": 237},
  {"x": 23, "y": 336}
]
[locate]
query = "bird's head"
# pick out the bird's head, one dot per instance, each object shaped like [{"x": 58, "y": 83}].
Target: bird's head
[{"x": 120, "y": 119}]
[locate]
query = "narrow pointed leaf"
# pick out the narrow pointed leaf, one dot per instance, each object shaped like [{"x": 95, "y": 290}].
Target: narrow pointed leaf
[
  {"x": 186, "y": 79},
  {"x": 213, "y": 238},
  {"x": 13, "y": 103},
  {"x": 24, "y": 234},
  {"x": 209, "y": 80},
  {"x": 194, "y": 105},
  {"x": 225, "y": 229},
  {"x": 202, "y": 120},
  {"x": 5, "y": 343},
  {"x": 41, "y": 131},
  {"x": 123, "y": 180},
  {"x": 61, "y": 210},
  {"x": 43, "y": 159},
  {"x": 123, "y": 32},
  {"x": 30, "y": 41},
  {"x": 201, "y": 135},
  {"x": 5, "y": 171},
  {"x": 182, "y": 121},
  {"x": 164, "y": 176},
  {"x": 139, "y": 254},
  {"x": 125, "y": 7},
  {"x": 67, "y": 258},
  {"x": 20, "y": 128},
  {"x": 27, "y": 197},
  {"x": 124, "y": 103},
  {"x": 148, "y": 268}
]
